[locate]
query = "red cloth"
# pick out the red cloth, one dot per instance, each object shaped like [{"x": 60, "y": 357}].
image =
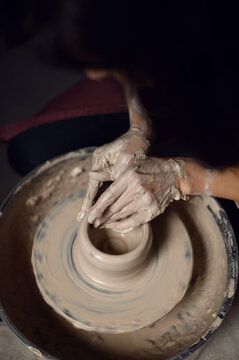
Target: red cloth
[{"x": 88, "y": 97}]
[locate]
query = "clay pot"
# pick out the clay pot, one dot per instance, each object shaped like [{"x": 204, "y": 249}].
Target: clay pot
[{"x": 111, "y": 259}]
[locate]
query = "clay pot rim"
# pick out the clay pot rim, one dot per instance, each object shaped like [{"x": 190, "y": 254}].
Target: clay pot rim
[{"x": 115, "y": 259}]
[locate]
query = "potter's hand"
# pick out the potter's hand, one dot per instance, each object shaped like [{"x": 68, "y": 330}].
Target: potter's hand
[
  {"x": 140, "y": 194},
  {"x": 111, "y": 160}
]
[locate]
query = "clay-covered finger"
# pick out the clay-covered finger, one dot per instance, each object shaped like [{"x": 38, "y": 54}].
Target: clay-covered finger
[
  {"x": 101, "y": 175},
  {"x": 97, "y": 159},
  {"x": 128, "y": 202},
  {"x": 109, "y": 196},
  {"x": 128, "y": 210},
  {"x": 95, "y": 180},
  {"x": 136, "y": 196},
  {"x": 117, "y": 206},
  {"x": 128, "y": 224},
  {"x": 90, "y": 195},
  {"x": 123, "y": 162}
]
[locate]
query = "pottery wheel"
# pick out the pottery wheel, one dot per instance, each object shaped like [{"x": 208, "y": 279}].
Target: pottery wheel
[{"x": 92, "y": 307}]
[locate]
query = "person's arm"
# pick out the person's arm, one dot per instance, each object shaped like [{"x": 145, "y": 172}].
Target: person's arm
[
  {"x": 139, "y": 119},
  {"x": 111, "y": 160},
  {"x": 223, "y": 183},
  {"x": 144, "y": 190}
]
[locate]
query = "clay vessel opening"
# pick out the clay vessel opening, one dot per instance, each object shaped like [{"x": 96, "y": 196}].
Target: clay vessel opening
[{"x": 111, "y": 242}]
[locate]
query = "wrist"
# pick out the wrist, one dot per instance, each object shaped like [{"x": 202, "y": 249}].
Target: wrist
[
  {"x": 144, "y": 129},
  {"x": 139, "y": 118},
  {"x": 197, "y": 180}
]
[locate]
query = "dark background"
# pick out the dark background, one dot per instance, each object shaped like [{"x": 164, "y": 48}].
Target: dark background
[
  {"x": 26, "y": 83},
  {"x": 28, "y": 80}
]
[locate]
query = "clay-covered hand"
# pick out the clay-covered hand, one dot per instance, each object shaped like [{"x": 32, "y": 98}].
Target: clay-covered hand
[
  {"x": 140, "y": 194},
  {"x": 111, "y": 160}
]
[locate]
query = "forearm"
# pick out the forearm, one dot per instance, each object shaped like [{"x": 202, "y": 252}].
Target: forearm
[
  {"x": 223, "y": 183},
  {"x": 138, "y": 115}
]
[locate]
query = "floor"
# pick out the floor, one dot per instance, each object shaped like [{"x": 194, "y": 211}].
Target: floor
[{"x": 25, "y": 86}]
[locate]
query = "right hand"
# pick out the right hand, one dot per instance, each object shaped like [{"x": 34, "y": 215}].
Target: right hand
[{"x": 140, "y": 194}]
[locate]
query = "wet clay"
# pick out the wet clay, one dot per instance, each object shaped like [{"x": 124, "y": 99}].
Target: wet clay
[
  {"x": 104, "y": 292},
  {"x": 140, "y": 194},
  {"x": 111, "y": 160},
  {"x": 202, "y": 308}
]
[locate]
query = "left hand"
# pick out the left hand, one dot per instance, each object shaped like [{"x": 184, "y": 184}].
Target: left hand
[
  {"x": 111, "y": 160},
  {"x": 140, "y": 194}
]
